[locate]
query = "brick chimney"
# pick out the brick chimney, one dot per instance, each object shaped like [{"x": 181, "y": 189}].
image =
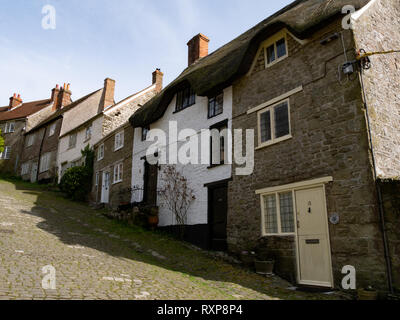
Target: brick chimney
[
  {"x": 61, "y": 97},
  {"x": 158, "y": 79},
  {"x": 15, "y": 101},
  {"x": 108, "y": 93},
  {"x": 65, "y": 96},
  {"x": 198, "y": 48},
  {"x": 54, "y": 97}
]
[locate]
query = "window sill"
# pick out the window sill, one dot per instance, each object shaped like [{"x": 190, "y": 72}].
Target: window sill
[
  {"x": 270, "y": 143},
  {"x": 100, "y": 159},
  {"x": 279, "y": 235},
  {"x": 215, "y": 166},
  {"x": 87, "y": 139},
  {"x": 177, "y": 111},
  {"x": 117, "y": 182},
  {"x": 269, "y": 65},
  {"x": 216, "y": 115},
  {"x": 117, "y": 149}
]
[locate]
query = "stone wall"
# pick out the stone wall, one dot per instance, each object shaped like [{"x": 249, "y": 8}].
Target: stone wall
[
  {"x": 329, "y": 139},
  {"x": 378, "y": 30},
  {"x": 118, "y": 116},
  {"x": 391, "y": 201},
  {"x": 15, "y": 141},
  {"x": 119, "y": 192}
]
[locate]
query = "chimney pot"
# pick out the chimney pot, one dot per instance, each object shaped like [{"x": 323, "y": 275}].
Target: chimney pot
[
  {"x": 198, "y": 48},
  {"x": 15, "y": 101}
]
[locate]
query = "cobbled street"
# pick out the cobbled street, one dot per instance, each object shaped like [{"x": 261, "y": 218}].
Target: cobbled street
[{"x": 97, "y": 258}]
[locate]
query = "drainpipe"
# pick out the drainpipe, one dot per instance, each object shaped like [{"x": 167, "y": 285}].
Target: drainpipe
[{"x": 379, "y": 192}]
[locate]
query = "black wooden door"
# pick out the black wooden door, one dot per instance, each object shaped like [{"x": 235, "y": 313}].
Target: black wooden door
[
  {"x": 150, "y": 184},
  {"x": 218, "y": 206}
]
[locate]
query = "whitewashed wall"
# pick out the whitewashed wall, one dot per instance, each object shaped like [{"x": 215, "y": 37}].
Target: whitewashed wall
[{"x": 194, "y": 117}]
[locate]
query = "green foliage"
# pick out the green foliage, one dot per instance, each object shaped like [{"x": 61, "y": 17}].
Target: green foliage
[
  {"x": 1, "y": 142},
  {"x": 76, "y": 182}
]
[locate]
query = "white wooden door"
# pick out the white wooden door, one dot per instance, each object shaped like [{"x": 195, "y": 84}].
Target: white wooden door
[
  {"x": 105, "y": 190},
  {"x": 313, "y": 238},
  {"x": 34, "y": 172}
]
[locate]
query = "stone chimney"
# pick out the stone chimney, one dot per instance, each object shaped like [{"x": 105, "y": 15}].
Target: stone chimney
[
  {"x": 158, "y": 79},
  {"x": 108, "y": 93},
  {"x": 61, "y": 97},
  {"x": 198, "y": 48},
  {"x": 15, "y": 101}
]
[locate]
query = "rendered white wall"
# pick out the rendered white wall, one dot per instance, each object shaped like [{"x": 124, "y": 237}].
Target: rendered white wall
[{"x": 194, "y": 117}]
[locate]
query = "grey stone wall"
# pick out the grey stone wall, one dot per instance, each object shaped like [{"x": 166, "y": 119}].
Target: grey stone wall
[
  {"x": 391, "y": 200},
  {"x": 15, "y": 140},
  {"x": 119, "y": 116},
  {"x": 119, "y": 192},
  {"x": 329, "y": 139},
  {"x": 378, "y": 29}
]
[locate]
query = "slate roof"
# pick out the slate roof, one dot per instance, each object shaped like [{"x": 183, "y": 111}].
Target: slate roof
[{"x": 219, "y": 69}]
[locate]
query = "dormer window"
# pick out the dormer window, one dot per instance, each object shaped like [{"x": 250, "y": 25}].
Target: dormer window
[
  {"x": 275, "y": 49},
  {"x": 185, "y": 98}
]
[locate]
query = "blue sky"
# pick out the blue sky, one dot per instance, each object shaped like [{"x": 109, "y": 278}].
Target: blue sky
[{"x": 122, "y": 39}]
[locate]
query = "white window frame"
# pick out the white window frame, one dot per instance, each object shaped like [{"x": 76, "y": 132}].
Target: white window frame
[
  {"x": 119, "y": 141},
  {"x": 272, "y": 118},
  {"x": 45, "y": 162},
  {"x": 88, "y": 133},
  {"x": 272, "y": 41},
  {"x": 264, "y": 233},
  {"x": 69, "y": 140},
  {"x": 6, "y": 154},
  {"x": 97, "y": 179},
  {"x": 119, "y": 172},
  {"x": 8, "y": 126},
  {"x": 31, "y": 140},
  {"x": 52, "y": 130},
  {"x": 100, "y": 152},
  {"x": 25, "y": 168}
]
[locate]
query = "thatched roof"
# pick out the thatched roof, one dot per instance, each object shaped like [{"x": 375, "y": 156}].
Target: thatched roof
[{"x": 219, "y": 69}]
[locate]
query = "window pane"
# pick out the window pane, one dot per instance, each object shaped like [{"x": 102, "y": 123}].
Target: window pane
[
  {"x": 271, "y": 54},
  {"x": 286, "y": 207},
  {"x": 265, "y": 124},
  {"x": 281, "y": 48},
  {"x": 211, "y": 107},
  {"x": 282, "y": 120},
  {"x": 271, "y": 221}
]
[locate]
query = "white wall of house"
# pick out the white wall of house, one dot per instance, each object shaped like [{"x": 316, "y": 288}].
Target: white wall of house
[
  {"x": 71, "y": 155},
  {"x": 194, "y": 117}
]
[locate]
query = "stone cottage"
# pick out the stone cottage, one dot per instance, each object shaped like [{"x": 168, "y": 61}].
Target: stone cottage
[
  {"x": 39, "y": 155},
  {"x": 113, "y": 152},
  {"x": 326, "y": 124},
  {"x": 15, "y": 120},
  {"x": 326, "y": 128}
]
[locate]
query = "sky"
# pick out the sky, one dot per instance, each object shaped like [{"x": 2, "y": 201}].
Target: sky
[{"x": 125, "y": 40}]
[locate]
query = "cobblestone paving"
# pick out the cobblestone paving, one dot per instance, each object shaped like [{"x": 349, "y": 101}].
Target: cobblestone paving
[{"x": 97, "y": 258}]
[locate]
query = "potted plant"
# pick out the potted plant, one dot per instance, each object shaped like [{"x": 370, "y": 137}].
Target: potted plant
[
  {"x": 367, "y": 294},
  {"x": 265, "y": 265},
  {"x": 247, "y": 258},
  {"x": 152, "y": 217}
]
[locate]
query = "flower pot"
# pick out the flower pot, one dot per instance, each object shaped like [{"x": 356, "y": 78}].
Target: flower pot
[
  {"x": 265, "y": 267},
  {"x": 247, "y": 259},
  {"x": 153, "y": 221},
  {"x": 364, "y": 294}
]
